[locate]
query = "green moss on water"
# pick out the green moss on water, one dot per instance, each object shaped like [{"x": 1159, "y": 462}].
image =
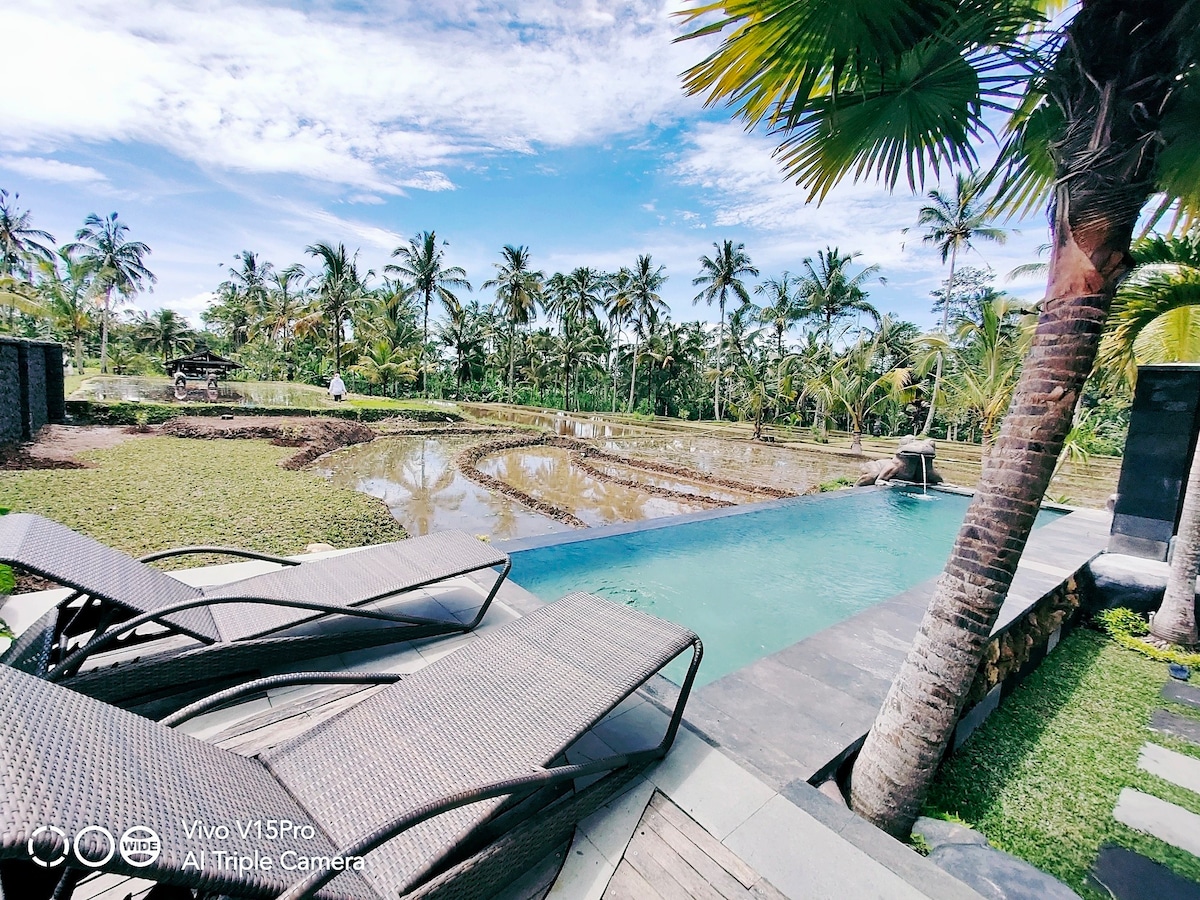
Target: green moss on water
[
  {"x": 152, "y": 493},
  {"x": 1041, "y": 777}
]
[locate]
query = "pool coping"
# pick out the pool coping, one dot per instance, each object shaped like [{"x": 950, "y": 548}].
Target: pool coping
[{"x": 541, "y": 541}]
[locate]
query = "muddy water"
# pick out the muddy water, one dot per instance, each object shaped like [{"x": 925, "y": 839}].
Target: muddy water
[
  {"x": 793, "y": 469},
  {"x": 548, "y": 474},
  {"x": 674, "y": 482},
  {"x": 417, "y": 479}
]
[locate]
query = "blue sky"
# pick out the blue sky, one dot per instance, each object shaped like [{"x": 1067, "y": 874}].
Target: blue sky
[{"x": 213, "y": 127}]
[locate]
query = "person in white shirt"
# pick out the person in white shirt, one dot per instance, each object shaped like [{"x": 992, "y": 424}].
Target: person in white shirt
[{"x": 337, "y": 387}]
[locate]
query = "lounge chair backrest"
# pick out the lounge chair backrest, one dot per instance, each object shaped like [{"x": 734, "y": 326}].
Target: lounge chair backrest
[
  {"x": 71, "y": 762},
  {"x": 77, "y": 561},
  {"x": 498, "y": 707},
  {"x": 350, "y": 579}
]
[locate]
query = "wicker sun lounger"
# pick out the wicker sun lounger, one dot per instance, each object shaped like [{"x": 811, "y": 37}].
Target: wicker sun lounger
[
  {"x": 119, "y": 602},
  {"x": 449, "y": 783}
]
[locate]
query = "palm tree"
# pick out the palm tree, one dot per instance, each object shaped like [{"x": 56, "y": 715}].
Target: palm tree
[
  {"x": 249, "y": 280},
  {"x": 784, "y": 307},
  {"x": 67, "y": 285},
  {"x": 339, "y": 288},
  {"x": 422, "y": 263},
  {"x": 164, "y": 330},
  {"x": 20, "y": 245},
  {"x": 580, "y": 304},
  {"x": 118, "y": 264},
  {"x": 282, "y": 308},
  {"x": 903, "y": 89},
  {"x": 466, "y": 334},
  {"x": 518, "y": 290},
  {"x": 1155, "y": 315},
  {"x": 951, "y": 223},
  {"x": 829, "y": 293},
  {"x": 618, "y": 306},
  {"x": 721, "y": 275},
  {"x": 645, "y": 303}
]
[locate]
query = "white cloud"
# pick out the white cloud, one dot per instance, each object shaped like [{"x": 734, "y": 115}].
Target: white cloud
[
  {"x": 52, "y": 170},
  {"x": 734, "y": 172},
  {"x": 382, "y": 100}
]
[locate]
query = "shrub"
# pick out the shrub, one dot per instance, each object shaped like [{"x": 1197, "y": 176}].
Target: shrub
[{"x": 1129, "y": 629}]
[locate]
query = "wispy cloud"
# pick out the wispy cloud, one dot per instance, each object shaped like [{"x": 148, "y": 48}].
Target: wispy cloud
[
  {"x": 52, "y": 170},
  {"x": 387, "y": 98}
]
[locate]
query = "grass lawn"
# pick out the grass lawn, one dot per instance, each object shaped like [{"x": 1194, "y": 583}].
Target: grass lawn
[
  {"x": 1041, "y": 777},
  {"x": 150, "y": 493}
]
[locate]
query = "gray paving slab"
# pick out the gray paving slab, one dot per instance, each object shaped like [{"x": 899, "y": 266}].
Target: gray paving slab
[
  {"x": 1184, "y": 727},
  {"x": 1186, "y": 694},
  {"x": 1126, "y": 875},
  {"x": 1171, "y": 766},
  {"x": 1165, "y": 821}
]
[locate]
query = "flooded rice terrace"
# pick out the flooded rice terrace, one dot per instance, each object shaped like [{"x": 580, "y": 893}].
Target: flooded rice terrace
[
  {"x": 420, "y": 483},
  {"x": 139, "y": 388}
]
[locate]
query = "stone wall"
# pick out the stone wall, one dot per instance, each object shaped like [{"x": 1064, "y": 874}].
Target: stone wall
[
  {"x": 12, "y": 423},
  {"x": 31, "y": 388},
  {"x": 1018, "y": 649}
]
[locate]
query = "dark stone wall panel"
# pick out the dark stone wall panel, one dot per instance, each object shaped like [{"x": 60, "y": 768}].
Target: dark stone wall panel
[{"x": 11, "y": 421}]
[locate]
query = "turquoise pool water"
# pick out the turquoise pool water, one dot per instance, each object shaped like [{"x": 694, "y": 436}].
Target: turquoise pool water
[{"x": 754, "y": 583}]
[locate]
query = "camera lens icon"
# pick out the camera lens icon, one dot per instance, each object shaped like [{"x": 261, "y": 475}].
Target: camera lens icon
[{"x": 140, "y": 846}]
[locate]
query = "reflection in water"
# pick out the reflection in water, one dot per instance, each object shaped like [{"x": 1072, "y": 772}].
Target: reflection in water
[
  {"x": 238, "y": 393},
  {"x": 548, "y": 474},
  {"x": 674, "y": 482},
  {"x": 795, "y": 469},
  {"x": 417, "y": 479}
]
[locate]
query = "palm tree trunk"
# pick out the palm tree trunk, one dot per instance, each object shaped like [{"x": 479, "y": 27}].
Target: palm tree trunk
[
  {"x": 512, "y": 331},
  {"x": 79, "y": 351},
  {"x": 1175, "y": 621},
  {"x": 424, "y": 341},
  {"x": 1093, "y": 226},
  {"x": 104, "y": 331},
  {"x": 633, "y": 372},
  {"x": 720, "y": 363},
  {"x": 937, "y": 378},
  {"x": 1105, "y": 175}
]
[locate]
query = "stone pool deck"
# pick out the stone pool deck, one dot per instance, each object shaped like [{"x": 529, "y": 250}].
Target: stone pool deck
[
  {"x": 791, "y": 717},
  {"x": 698, "y": 824}
]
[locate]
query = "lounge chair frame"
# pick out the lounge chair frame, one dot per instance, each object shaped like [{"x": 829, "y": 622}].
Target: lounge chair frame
[
  {"x": 103, "y": 623},
  {"x": 537, "y": 816}
]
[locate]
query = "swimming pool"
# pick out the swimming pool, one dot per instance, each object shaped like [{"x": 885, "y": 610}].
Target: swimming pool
[{"x": 755, "y": 582}]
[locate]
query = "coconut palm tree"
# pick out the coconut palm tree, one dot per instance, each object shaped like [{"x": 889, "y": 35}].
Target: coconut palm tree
[
  {"x": 722, "y": 275},
  {"x": 164, "y": 329},
  {"x": 338, "y": 289},
  {"x": 645, "y": 304},
  {"x": 829, "y": 292},
  {"x": 21, "y": 246},
  {"x": 281, "y": 309},
  {"x": 580, "y": 306},
  {"x": 901, "y": 89},
  {"x": 1155, "y": 315},
  {"x": 618, "y": 306},
  {"x": 951, "y": 223},
  {"x": 66, "y": 284},
  {"x": 118, "y": 263},
  {"x": 1175, "y": 621},
  {"x": 783, "y": 307},
  {"x": 422, "y": 264},
  {"x": 518, "y": 291}
]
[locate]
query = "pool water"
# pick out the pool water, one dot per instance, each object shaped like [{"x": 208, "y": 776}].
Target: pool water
[{"x": 751, "y": 584}]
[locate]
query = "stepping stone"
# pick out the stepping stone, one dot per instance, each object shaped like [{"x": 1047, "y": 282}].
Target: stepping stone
[
  {"x": 1175, "y": 725},
  {"x": 998, "y": 875},
  {"x": 1160, "y": 819},
  {"x": 1174, "y": 767},
  {"x": 1130, "y": 876},
  {"x": 939, "y": 832},
  {"x": 1182, "y": 693}
]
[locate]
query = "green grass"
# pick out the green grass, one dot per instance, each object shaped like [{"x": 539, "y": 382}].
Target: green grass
[
  {"x": 1041, "y": 777},
  {"x": 152, "y": 493}
]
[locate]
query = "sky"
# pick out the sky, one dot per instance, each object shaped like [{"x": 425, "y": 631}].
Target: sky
[{"x": 212, "y": 127}]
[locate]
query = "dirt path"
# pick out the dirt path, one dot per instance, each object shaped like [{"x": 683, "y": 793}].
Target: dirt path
[{"x": 57, "y": 446}]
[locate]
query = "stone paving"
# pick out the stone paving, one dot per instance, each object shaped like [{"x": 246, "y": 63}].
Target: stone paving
[{"x": 1127, "y": 875}]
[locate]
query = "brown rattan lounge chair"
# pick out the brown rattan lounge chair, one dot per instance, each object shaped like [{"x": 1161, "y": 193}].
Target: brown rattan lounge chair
[
  {"x": 120, "y": 602},
  {"x": 449, "y": 783}
]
